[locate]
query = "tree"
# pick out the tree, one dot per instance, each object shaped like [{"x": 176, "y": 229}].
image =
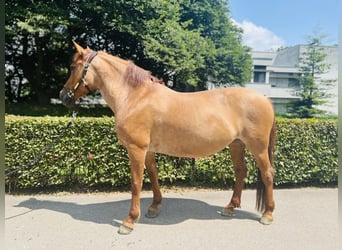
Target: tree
[
  {"x": 34, "y": 49},
  {"x": 228, "y": 62},
  {"x": 311, "y": 88},
  {"x": 184, "y": 42}
]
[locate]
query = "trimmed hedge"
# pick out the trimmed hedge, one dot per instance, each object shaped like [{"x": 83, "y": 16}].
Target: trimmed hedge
[{"x": 89, "y": 155}]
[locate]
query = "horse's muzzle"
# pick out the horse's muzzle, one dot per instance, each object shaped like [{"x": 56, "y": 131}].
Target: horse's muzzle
[{"x": 67, "y": 99}]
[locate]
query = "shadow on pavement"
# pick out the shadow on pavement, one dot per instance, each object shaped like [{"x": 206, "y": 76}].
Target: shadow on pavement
[{"x": 173, "y": 211}]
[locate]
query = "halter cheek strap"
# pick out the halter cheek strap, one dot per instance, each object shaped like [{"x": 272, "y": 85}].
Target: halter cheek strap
[{"x": 72, "y": 91}]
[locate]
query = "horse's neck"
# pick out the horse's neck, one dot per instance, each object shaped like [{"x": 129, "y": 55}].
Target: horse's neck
[
  {"x": 115, "y": 94},
  {"x": 113, "y": 88}
]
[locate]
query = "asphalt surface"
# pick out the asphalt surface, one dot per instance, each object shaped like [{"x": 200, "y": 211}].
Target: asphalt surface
[{"x": 304, "y": 219}]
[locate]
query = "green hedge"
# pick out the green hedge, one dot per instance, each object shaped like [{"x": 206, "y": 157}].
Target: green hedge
[{"x": 89, "y": 155}]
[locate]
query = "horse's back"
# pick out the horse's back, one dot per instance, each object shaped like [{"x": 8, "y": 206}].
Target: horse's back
[{"x": 235, "y": 103}]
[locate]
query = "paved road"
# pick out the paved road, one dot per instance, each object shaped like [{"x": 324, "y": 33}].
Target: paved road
[{"x": 304, "y": 219}]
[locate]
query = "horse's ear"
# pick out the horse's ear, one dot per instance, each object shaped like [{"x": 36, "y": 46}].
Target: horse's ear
[{"x": 79, "y": 49}]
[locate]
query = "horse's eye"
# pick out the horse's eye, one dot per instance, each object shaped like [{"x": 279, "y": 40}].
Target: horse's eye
[{"x": 72, "y": 68}]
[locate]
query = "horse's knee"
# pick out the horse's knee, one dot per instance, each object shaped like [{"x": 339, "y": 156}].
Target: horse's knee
[{"x": 136, "y": 187}]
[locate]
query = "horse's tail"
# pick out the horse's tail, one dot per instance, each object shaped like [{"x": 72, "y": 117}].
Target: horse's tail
[{"x": 260, "y": 200}]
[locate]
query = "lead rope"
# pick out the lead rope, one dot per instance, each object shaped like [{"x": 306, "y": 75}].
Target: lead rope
[{"x": 46, "y": 149}]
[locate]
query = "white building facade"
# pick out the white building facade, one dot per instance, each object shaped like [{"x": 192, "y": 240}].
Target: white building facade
[{"x": 274, "y": 75}]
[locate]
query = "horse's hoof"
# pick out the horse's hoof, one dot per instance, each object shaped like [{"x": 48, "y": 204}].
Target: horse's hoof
[
  {"x": 125, "y": 229},
  {"x": 266, "y": 220},
  {"x": 228, "y": 212},
  {"x": 152, "y": 212}
]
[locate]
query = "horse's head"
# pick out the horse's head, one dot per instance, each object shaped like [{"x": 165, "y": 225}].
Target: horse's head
[{"x": 79, "y": 83}]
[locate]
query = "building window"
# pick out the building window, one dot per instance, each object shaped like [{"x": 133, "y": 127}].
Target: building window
[
  {"x": 259, "y": 75},
  {"x": 283, "y": 79},
  {"x": 293, "y": 82}
]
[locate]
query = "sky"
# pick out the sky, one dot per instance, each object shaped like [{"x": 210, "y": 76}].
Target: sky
[{"x": 270, "y": 24}]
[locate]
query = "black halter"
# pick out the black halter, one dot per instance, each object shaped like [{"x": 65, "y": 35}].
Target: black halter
[{"x": 71, "y": 92}]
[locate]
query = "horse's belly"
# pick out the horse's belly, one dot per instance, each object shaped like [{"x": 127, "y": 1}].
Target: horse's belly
[
  {"x": 185, "y": 132},
  {"x": 193, "y": 146}
]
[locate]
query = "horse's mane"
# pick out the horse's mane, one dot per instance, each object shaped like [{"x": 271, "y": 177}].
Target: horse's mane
[{"x": 136, "y": 76}]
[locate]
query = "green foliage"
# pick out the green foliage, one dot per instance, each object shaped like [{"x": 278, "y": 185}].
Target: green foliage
[
  {"x": 306, "y": 151},
  {"x": 184, "y": 42},
  {"x": 89, "y": 155},
  {"x": 169, "y": 41},
  {"x": 32, "y": 109},
  {"x": 35, "y": 49},
  {"x": 229, "y": 62}
]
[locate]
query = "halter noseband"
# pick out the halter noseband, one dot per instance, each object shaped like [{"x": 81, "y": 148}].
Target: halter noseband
[{"x": 71, "y": 92}]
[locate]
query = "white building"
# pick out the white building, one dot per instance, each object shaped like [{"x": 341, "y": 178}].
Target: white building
[{"x": 274, "y": 76}]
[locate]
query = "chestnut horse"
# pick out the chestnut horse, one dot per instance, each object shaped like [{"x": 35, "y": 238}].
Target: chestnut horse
[{"x": 151, "y": 117}]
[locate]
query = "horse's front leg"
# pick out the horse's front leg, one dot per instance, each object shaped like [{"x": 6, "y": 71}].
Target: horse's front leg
[
  {"x": 137, "y": 160},
  {"x": 151, "y": 167}
]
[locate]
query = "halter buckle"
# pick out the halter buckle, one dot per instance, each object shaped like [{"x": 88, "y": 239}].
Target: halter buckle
[{"x": 71, "y": 93}]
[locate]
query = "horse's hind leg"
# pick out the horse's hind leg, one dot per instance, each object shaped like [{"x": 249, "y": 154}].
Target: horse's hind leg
[
  {"x": 266, "y": 203},
  {"x": 151, "y": 167},
  {"x": 237, "y": 151},
  {"x": 265, "y": 200}
]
